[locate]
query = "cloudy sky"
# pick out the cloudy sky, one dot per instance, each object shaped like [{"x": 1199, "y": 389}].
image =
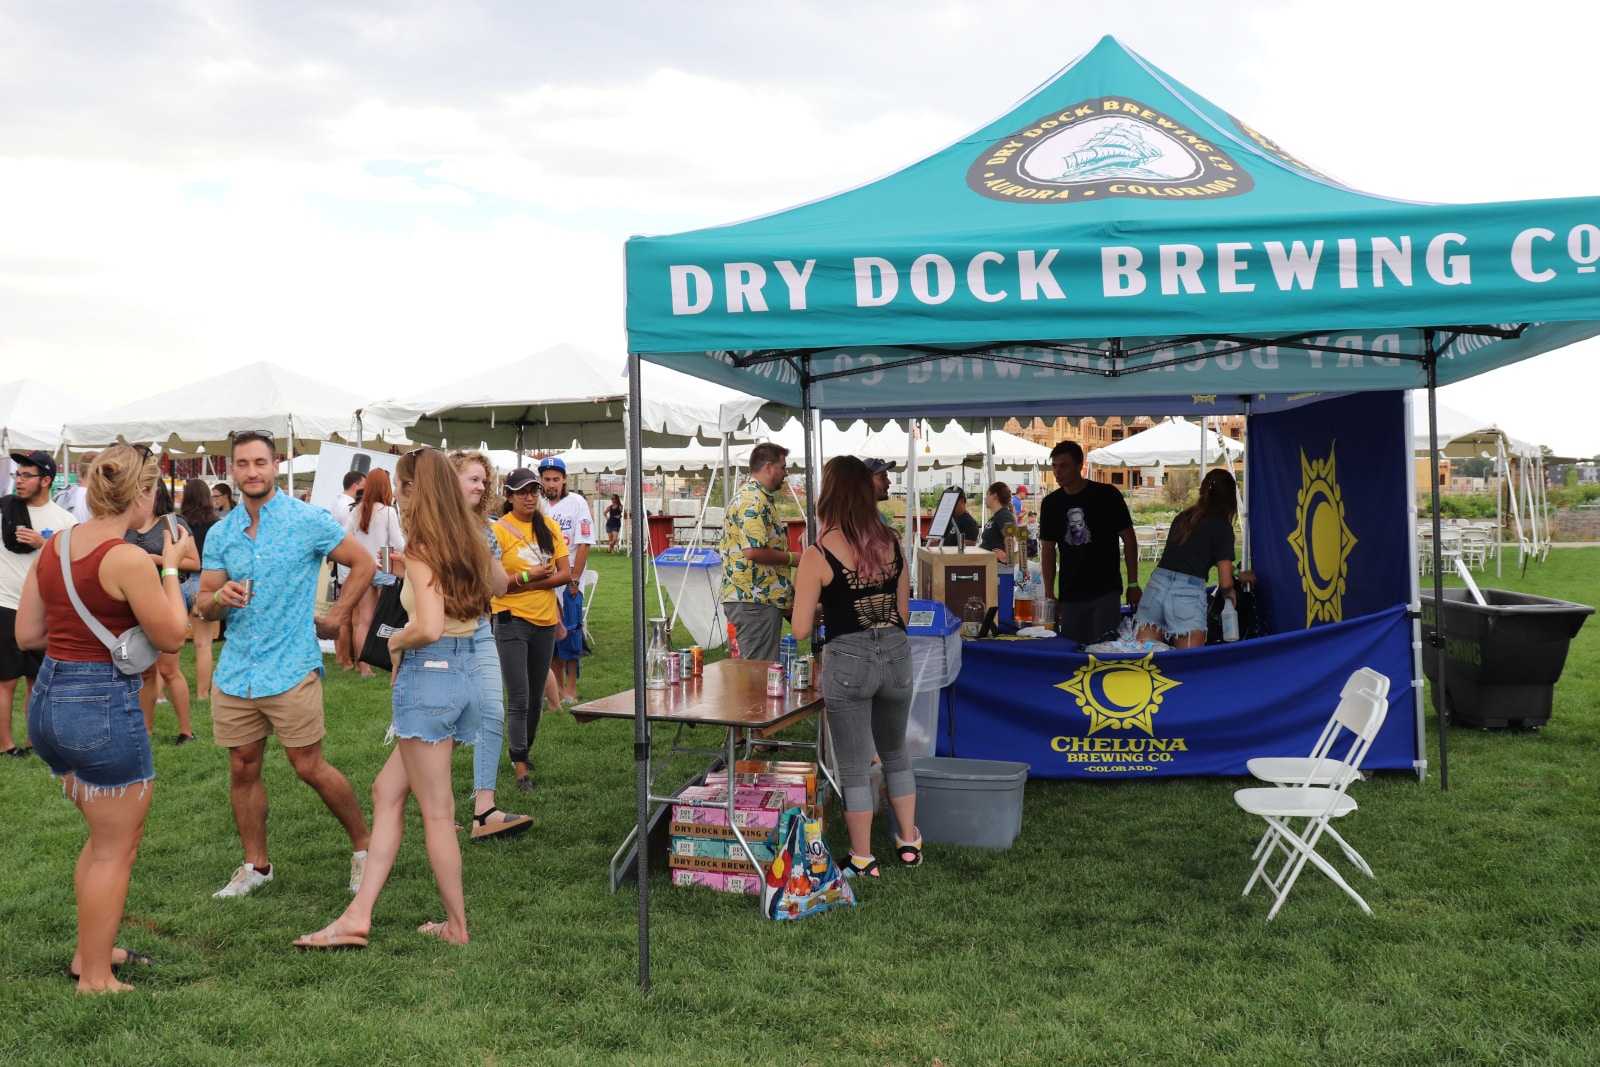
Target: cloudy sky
[{"x": 385, "y": 194}]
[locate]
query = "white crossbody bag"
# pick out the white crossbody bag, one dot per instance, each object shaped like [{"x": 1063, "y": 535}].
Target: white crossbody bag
[{"x": 131, "y": 651}]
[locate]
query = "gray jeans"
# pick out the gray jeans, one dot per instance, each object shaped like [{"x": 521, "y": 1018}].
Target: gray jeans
[
  {"x": 758, "y": 626},
  {"x": 866, "y": 689}
]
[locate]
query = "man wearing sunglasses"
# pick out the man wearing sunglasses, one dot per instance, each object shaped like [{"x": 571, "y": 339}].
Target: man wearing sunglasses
[
  {"x": 27, "y": 518},
  {"x": 260, "y": 568}
]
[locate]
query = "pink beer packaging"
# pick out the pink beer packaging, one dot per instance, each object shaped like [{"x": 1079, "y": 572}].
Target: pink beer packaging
[{"x": 703, "y": 850}]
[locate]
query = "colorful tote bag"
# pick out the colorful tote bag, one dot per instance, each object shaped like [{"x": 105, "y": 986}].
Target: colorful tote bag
[{"x": 803, "y": 879}]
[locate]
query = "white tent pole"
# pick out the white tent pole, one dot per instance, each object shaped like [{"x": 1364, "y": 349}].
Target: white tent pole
[
  {"x": 291, "y": 455},
  {"x": 912, "y": 506},
  {"x": 1499, "y": 495},
  {"x": 988, "y": 463}
]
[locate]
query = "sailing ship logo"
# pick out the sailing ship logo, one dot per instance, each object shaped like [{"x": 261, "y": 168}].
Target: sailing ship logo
[{"x": 1106, "y": 147}]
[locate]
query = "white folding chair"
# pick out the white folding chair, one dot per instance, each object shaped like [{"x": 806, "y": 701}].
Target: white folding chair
[
  {"x": 1320, "y": 767},
  {"x": 1363, "y": 716},
  {"x": 586, "y": 586}
]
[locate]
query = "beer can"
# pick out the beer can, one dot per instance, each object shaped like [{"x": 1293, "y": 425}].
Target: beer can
[
  {"x": 801, "y": 678},
  {"x": 249, "y": 589},
  {"x": 383, "y": 558},
  {"x": 674, "y": 668},
  {"x": 775, "y": 680},
  {"x": 697, "y": 661}
]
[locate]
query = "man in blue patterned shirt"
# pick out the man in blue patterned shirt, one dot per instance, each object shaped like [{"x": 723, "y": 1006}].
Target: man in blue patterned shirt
[{"x": 269, "y": 678}]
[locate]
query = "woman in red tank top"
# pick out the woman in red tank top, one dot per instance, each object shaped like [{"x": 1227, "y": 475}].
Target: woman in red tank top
[{"x": 84, "y": 715}]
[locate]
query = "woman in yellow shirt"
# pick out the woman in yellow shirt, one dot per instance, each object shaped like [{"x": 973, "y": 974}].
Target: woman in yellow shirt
[{"x": 534, "y": 555}]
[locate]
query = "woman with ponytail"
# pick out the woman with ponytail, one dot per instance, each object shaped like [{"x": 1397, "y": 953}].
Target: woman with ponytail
[{"x": 1174, "y": 603}]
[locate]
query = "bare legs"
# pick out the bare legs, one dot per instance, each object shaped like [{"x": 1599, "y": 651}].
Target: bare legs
[
  {"x": 116, "y": 825},
  {"x": 363, "y": 623},
  {"x": 8, "y": 693},
  {"x": 205, "y": 633},
  {"x": 168, "y": 671},
  {"x": 420, "y": 768},
  {"x": 249, "y": 795},
  {"x": 1192, "y": 639}
]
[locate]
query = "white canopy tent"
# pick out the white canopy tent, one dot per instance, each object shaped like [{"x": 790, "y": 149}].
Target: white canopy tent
[
  {"x": 564, "y": 396},
  {"x": 31, "y": 416},
  {"x": 298, "y": 411},
  {"x": 1173, "y": 442}
]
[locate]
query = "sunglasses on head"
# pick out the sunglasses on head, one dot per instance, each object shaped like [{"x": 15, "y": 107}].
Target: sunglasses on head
[{"x": 246, "y": 436}]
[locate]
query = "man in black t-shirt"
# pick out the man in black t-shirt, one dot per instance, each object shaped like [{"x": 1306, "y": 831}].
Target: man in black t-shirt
[{"x": 1082, "y": 523}]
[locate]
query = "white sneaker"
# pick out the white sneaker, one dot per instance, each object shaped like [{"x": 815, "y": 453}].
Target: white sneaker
[
  {"x": 358, "y": 867},
  {"x": 243, "y": 881}
]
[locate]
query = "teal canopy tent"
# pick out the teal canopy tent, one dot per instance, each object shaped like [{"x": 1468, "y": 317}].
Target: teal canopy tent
[
  {"x": 1116, "y": 243},
  {"x": 1112, "y": 236}
]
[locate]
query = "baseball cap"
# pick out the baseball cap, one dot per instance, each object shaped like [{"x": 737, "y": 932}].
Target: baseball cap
[
  {"x": 552, "y": 463},
  {"x": 520, "y": 478},
  {"x": 39, "y": 459},
  {"x": 877, "y": 466}
]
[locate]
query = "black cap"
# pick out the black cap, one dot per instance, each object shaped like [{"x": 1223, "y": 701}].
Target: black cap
[
  {"x": 877, "y": 466},
  {"x": 39, "y": 459},
  {"x": 520, "y": 478}
]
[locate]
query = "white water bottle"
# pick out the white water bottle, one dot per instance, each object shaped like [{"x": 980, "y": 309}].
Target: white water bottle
[{"x": 1230, "y": 620}]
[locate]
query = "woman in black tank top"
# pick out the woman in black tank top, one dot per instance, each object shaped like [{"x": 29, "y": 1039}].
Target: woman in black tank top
[{"x": 857, "y": 576}]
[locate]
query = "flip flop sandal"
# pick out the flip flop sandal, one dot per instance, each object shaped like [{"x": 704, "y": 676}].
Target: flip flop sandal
[
  {"x": 332, "y": 943},
  {"x": 436, "y": 930},
  {"x": 507, "y": 825},
  {"x": 129, "y": 958}
]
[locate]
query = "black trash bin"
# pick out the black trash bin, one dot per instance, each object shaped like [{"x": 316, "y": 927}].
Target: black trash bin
[{"x": 1503, "y": 657}]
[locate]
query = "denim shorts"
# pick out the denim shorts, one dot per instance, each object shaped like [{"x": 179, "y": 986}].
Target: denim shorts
[
  {"x": 84, "y": 720},
  {"x": 1173, "y": 603},
  {"x": 437, "y": 692}
]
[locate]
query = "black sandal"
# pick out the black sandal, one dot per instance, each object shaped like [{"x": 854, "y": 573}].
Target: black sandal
[
  {"x": 855, "y": 868},
  {"x": 508, "y": 825},
  {"x": 910, "y": 853}
]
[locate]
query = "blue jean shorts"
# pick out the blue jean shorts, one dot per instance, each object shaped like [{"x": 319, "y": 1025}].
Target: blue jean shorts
[
  {"x": 1173, "y": 603},
  {"x": 84, "y": 720},
  {"x": 437, "y": 693}
]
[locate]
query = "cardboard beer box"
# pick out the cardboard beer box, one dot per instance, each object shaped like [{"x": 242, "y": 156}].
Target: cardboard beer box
[
  {"x": 724, "y": 864},
  {"x": 680, "y": 830},
  {"x": 722, "y": 882},
  {"x": 808, "y": 771},
  {"x": 793, "y": 786},
  {"x": 749, "y": 818},
  {"x": 705, "y": 847}
]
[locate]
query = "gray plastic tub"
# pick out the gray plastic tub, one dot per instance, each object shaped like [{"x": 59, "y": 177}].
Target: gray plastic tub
[{"x": 973, "y": 802}]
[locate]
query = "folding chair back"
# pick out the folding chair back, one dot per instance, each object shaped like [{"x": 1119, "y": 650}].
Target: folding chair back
[
  {"x": 586, "y": 583},
  {"x": 1363, "y": 714},
  {"x": 1306, "y": 770}
]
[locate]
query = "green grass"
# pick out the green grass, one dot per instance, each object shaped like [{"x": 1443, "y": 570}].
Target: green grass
[{"x": 1112, "y": 932}]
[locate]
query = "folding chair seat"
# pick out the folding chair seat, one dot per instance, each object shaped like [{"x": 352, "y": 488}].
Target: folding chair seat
[
  {"x": 1362, "y": 714},
  {"x": 586, "y": 585},
  {"x": 1320, "y": 768}
]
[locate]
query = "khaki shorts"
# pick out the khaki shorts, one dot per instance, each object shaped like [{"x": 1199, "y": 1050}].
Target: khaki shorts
[{"x": 295, "y": 716}]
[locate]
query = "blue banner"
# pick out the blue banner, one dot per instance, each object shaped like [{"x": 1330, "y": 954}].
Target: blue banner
[
  {"x": 1200, "y": 712},
  {"x": 1330, "y": 516}
]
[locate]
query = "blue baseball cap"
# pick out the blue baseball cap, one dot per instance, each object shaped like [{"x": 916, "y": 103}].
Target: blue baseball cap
[{"x": 552, "y": 463}]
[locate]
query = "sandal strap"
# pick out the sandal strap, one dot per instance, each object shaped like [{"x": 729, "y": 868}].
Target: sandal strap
[
  {"x": 864, "y": 868},
  {"x": 483, "y": 819},
  {"x": 910, "y": 852}
]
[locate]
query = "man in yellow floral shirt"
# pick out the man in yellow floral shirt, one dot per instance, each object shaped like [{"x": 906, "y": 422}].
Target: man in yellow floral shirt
[{"x": 757, "y": 581}]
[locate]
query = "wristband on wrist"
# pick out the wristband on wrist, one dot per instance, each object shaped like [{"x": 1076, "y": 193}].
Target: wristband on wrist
[
  {"x": 525, "y": 578},
  {"x": 169, "y": 572},
  {"x": 1133, "y": 585},
  {"x": 216, "y": 598}
]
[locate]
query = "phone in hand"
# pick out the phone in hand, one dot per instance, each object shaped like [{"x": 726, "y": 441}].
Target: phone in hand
[{"x": 173, "y": 529}]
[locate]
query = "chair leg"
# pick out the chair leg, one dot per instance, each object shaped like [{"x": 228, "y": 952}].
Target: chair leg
[{"x": 1301, "y": 850}]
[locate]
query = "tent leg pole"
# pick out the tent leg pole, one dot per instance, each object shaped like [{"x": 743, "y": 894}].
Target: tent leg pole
[
  {"x": 808, "y": 424},
  {"x": 641, "y": 724},
  {"x": 1436, "y": 638}
]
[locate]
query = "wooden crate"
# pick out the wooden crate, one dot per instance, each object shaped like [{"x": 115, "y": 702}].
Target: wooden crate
[{"x": 952, "y": 575}]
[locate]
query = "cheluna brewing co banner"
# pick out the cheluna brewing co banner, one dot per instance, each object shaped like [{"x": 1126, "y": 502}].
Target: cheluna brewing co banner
[{"x": 1205, "y": 712}]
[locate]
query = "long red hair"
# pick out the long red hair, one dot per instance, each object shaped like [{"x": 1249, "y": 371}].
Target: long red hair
[
  {"x": 377, "y": 492},
  {"x": 848, "y": 502}
]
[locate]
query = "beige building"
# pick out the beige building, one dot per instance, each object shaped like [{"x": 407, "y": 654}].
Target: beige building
[{"x": 1092, "y": 433}]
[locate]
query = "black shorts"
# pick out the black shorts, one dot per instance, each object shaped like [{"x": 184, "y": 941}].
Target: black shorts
[{"x": 15, "y": 662}]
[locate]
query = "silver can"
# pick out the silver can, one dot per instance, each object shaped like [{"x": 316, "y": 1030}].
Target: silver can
[
  {"x": 249, "y": 585},
  {"x": 383, "y": 558},
  {"x": 801, "y": 677},
  {"x": 674, "y": 668},
  {"x": 775, "y": 680}
]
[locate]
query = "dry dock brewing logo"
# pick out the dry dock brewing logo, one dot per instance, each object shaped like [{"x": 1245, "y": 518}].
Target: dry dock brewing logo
[
  {"x": 1322, "y": 541},
  {"x": 1106, "y": 147}
]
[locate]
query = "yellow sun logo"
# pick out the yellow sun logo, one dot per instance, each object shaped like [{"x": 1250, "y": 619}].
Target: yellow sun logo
[
  {"x": 1322, "y": 541},
  {"x": 1120, "y": 694}
]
